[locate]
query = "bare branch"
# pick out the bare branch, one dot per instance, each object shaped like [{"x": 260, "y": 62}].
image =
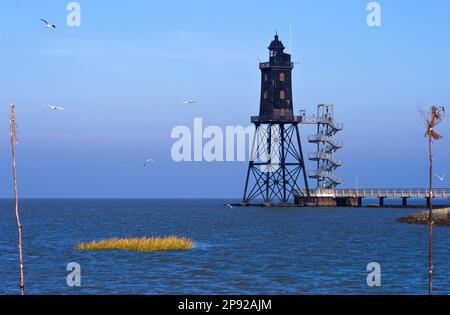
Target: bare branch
[
  {"x": 16, "y": 195},
  {"x": 431, "y": 119}
]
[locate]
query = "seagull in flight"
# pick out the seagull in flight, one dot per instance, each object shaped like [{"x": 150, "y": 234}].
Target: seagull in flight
[
  {"x": 229, "y": 206},
  {"x": 54, "y": 107},
  {"x": 48, "y": 25},
  {"x": 190, "y": 102},
  {"x": 148, "y": 162},
  {"x": 441, "y": 178}
]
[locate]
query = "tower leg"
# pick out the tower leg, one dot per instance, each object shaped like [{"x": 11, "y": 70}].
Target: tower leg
[
  {"x": 245, "y": 199},
  {"x": 269, "y": 165},
  {"x": 283, "y": 162},
  {"x": 302, "y": 160},
  {"x": 276, "y": 164}
]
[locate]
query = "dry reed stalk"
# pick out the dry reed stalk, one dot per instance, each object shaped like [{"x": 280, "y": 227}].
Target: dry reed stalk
[
  {"x": 431, "y": 120},
  {"x": 16, "y": 196}
]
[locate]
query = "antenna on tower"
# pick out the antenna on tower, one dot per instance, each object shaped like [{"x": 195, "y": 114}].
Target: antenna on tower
[{"x": 290, "y": 38}]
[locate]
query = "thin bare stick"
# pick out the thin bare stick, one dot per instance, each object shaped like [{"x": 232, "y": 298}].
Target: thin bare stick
[
  {"x": 431, "y": 120},
  {"x": 16, "y": 195}
]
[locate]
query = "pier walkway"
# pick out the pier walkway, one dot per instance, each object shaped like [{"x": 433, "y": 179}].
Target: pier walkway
[{"x": 353, "y": 197}]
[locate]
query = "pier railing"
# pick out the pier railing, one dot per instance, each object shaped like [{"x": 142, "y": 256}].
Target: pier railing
[
  {"x": 325, "y": 156},
  {"x": 377, "y": 193},
  {"x": 325, "y": 174},
  {"x": 313, "y": 120},
  {"x": 327, "y": 139}
]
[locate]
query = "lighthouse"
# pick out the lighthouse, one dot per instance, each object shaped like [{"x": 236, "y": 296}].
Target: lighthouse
[
  {"x": 276, "y": 84},
  {"x": 276, "y": 165}
]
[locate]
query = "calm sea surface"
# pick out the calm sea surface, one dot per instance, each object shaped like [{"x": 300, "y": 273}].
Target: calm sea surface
[{"x": 238, "y": 251}]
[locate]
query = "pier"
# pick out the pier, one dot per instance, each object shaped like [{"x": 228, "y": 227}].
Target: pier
[{"x": 354, "y": 197}]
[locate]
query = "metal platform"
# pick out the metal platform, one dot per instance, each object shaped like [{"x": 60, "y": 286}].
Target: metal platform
[
  {"x": 354, "y": 197},
  {"x": 377, "y": 193}
]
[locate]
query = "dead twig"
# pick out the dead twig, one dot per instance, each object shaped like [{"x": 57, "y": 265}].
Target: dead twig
[
  {"x": 16, "y": 195},
  {"x": 431, "y": 120}
]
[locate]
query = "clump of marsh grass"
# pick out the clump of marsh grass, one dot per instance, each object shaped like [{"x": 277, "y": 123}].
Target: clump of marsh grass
[{"x": 143, "y": 244}]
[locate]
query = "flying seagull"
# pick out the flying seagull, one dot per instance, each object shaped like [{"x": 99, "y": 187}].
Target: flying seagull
[
  {"x": 229, "y": 206},
  {"x": 190, "y": 102},
  {"x": 148, "y": 162},
  {"x": 54, "y": 107},
  {"x": 47, "y": 24},
  {"x": 441, "y": 178}
]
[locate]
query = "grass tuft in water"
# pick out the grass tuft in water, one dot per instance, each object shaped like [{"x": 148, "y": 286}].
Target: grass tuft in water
[{"x": 143, "y": 244}]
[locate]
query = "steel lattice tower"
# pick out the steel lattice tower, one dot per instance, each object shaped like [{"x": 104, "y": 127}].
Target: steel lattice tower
[{"x": 276, "y": 162}]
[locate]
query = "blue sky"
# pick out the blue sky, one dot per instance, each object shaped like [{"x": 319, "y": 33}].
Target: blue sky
[{"x": 124, "y": 74}]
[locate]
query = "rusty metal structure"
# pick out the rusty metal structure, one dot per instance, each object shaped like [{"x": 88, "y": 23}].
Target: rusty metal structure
[{"x": 276, "y": 163}]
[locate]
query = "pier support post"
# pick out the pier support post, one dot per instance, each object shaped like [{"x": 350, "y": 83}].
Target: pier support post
[
  {"x": 381, "y": 201},
  {"x": 359, "y": 202},
  {"x": 405, "y": 202},
  {"x": 428, "y": 199}
]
